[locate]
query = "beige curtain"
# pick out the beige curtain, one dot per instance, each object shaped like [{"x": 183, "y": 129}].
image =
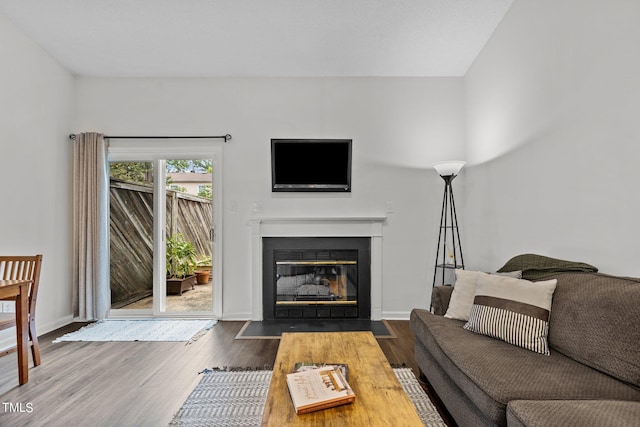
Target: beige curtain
[{"x": 91, "y": 289}]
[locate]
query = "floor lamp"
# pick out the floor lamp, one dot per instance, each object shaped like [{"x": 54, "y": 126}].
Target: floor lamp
[{"x": 449, "y": 253}]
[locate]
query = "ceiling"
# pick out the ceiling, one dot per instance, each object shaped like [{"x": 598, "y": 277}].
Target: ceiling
[{"x": 273, "y": 38}]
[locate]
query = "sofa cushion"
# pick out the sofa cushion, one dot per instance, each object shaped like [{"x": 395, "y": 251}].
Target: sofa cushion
[
  {"x": 492, "y": 372},
  {"x": 583, "y": 413},
  {"x": 440, "y": 298},
  {"x": 595, "y": 319},
  {"x": 464, "y": 291}
]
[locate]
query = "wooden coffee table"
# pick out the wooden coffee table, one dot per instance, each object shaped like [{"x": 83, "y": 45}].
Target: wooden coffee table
[{"x": 380, "y": 398}]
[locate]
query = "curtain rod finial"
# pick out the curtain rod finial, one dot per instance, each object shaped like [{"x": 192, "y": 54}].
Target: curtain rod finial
[
  {"x": 227, "y": 138},
  {"x": 72, "y": 136}
]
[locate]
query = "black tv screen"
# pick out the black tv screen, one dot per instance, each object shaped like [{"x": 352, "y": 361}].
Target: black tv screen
[{"x": 311, "y": 165}]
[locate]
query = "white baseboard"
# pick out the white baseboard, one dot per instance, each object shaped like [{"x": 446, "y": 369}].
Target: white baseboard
[
  {"x": 52, "y": 326},
  {"x": 236, "y": 316},
  {"x": 8, "y": 337},
  {"x": 396, "y": 315}
]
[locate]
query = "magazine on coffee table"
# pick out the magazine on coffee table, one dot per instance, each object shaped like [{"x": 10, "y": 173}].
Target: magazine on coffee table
[{"x": 319, "y": 388}]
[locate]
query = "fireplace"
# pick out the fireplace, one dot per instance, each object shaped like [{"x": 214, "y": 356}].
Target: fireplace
[
  {"x": 316, "y": 277},
  {"x": 369, "y": 227}
]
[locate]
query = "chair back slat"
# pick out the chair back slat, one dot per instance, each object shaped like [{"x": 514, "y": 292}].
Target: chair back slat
[{"x": 23, "y": 268}]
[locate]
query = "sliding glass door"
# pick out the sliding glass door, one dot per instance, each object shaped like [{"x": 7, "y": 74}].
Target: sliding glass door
[
  {"x": 164, "y": 210},
  {"x": 189, "y": 235}
]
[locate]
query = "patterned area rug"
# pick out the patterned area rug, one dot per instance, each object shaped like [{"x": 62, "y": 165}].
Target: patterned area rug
[
  {"x": 140, "y": 330},
  {"x": 237, "y": 398}
]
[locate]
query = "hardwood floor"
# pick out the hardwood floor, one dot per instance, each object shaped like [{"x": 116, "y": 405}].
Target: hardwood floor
[{"x": 136, "y": 383}]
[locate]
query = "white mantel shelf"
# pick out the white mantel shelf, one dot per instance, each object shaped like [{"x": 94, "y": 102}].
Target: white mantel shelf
[
  {"x": 310, "y": 226},
  {"x": 319, "y": 218}
]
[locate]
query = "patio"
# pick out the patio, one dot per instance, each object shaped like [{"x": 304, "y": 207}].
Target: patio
[{"x": 198, "y": 299}]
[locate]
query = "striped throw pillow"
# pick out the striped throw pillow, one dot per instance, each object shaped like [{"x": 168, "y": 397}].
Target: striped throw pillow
[{"x": 513, "y": 310}]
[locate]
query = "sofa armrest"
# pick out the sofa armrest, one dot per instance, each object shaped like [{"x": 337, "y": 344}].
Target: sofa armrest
[{"x": 440, "y": 297}]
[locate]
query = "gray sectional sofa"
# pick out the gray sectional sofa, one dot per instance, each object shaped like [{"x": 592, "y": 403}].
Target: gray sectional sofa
[{"x": 591, "y": 377}]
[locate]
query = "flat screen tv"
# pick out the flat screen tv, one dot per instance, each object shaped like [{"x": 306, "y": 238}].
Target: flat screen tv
[{"x": 311, "y": 165}]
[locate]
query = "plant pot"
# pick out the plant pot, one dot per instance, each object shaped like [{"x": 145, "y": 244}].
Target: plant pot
[
  {"x": 177, "y": 286},
  {"x": 202, "y": 277}
]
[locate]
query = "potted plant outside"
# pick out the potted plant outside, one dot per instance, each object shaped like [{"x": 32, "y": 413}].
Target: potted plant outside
[
  {"x": 204, "y": 271},
  {"x": 181, "y": 263}
]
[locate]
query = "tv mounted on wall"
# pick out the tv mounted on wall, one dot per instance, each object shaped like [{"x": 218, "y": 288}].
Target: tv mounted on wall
[{"x": 311, "y": 165}]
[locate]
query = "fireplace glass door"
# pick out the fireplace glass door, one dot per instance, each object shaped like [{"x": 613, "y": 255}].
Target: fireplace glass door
[
  {"x": 317, "y": 288},
  {"x": 321, "y": 282}
]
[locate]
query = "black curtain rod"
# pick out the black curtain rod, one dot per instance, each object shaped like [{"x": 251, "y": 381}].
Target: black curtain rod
[{"x": 226, "y": 137}]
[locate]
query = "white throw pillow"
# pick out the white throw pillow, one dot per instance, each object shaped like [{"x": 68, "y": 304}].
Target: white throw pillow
[
  {"x": 464, "y": 290},
  {"x": 462, "y": 295}
]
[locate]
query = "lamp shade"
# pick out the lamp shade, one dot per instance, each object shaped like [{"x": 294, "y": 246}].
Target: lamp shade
[{"x": 448, "y": 168}]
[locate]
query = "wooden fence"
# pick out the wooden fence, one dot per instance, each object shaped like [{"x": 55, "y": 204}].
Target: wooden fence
[{"x": 131, "y": 239}]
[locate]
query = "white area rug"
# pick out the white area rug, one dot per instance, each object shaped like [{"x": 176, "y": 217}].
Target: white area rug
[
  {"x": 140, "y": 330},
  {"x": 237, "y": 398}
]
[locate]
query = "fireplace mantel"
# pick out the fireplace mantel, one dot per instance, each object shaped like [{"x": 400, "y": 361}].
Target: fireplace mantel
[{"x": 307, "y": 226}]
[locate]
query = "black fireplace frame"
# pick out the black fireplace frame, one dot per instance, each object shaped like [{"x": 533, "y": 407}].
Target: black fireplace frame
[{"x": 325, "y": 246}]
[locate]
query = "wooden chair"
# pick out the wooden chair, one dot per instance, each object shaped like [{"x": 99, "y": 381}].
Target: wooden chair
[{"x": 23, "y": 268}]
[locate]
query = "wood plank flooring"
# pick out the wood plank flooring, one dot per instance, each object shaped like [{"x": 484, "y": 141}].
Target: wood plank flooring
[{"x": 136, "y": 383}]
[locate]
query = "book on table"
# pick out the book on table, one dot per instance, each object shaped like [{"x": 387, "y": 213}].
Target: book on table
[
  {"x": 306, "y": 366},
  {"x": 316, "y": 388}
]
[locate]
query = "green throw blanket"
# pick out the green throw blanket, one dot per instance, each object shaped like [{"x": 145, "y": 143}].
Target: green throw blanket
[{"x": 535, "y": 267}]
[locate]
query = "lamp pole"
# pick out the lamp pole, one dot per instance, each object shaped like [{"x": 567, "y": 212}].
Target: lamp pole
[{"x": 448, "y": 221}]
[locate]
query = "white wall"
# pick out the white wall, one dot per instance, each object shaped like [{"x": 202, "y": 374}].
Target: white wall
[
  {"x": 398, "y": 126},
  {"x": 35, "y": 208},
  {"x": 553, "y": 135}
]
